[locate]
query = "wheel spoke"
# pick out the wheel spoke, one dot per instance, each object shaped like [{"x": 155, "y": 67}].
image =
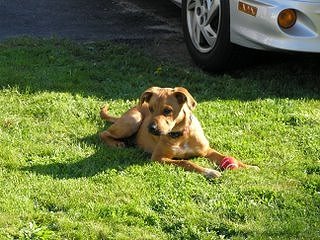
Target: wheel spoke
[
  {"x": 209, "y": 35},
  {"x": 192, "y": 5},
  {"x": 213, "y": 11},
  {"x": 211, "y": 31},
  {"x": 208, "y": 3},
  {"x": 196, "y": 30}
]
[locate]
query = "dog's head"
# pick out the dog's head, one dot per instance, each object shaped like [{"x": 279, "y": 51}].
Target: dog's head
[{"x": 169, "y": 107}]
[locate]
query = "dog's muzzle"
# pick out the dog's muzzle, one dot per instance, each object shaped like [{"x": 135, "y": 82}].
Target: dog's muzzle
[{"x": 153, "y": 129}]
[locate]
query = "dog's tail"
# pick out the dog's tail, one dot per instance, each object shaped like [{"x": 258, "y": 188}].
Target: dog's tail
[{"x": 104, "y": 115}]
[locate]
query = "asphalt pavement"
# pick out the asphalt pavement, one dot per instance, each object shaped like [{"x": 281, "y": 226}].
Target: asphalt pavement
[{"x": 89, "y": 20}]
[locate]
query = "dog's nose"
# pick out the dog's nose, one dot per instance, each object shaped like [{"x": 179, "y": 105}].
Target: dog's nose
[{"x": 153, "y": 129}]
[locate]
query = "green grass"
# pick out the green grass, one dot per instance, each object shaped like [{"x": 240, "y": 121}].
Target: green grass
[{"x": 58, "y": 181}]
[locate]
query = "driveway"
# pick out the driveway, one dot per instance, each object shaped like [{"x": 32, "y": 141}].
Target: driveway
[
  {"x": 153, "y": 25},
  {"x": 87, "y": 20}
]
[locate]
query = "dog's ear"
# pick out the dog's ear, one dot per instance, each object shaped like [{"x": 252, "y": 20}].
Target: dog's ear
[
  {"x": 183, "y": 96},
  {"x": 146, "y": 96}
]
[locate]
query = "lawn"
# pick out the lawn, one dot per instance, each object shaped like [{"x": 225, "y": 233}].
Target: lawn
[{"x": 58, "y": 181}]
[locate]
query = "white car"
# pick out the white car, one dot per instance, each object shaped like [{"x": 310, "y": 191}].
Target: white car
[{"x": 212, "y": 27}]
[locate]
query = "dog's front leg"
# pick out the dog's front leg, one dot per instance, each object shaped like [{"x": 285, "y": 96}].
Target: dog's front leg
[
  {"x": 187, "y": 165},
  {"x": 225, "y": 162},
  {"x": 214, "y": 156}
]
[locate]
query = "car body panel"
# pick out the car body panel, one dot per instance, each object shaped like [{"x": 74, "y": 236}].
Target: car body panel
[{"x": 261, "y": 31}]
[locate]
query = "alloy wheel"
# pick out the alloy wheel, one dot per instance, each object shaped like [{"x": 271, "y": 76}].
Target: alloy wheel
[{"x": 203, "y": 19}]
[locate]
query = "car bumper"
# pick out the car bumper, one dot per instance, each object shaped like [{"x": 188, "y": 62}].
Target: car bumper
[{"x": 261, "y": 31}]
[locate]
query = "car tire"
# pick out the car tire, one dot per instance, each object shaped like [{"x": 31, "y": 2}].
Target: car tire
[{"x": 207, "y": 32}]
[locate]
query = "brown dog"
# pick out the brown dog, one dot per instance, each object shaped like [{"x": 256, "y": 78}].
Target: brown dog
[{"x": 163, "y": 125}]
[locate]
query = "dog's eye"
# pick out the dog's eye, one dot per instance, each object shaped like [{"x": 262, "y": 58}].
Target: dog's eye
[
  {"x": 151, "y": 109},
  {"x": 167, "y": 111}
]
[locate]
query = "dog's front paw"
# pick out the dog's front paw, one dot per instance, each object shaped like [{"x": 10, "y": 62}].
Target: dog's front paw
[{"x": 210, "y": 173}]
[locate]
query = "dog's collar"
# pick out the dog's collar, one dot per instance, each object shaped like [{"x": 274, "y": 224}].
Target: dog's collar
[{"x": 180, "y": 133}]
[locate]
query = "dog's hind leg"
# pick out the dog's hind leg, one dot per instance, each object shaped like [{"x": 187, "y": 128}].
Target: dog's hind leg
[{"x": 122, "y": 127}]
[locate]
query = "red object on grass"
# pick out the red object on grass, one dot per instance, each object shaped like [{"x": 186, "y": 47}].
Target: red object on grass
[{"x": 229, "y": 163}]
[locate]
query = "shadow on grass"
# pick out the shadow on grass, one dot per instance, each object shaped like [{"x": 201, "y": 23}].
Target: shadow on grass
[
  {"x": 116, "y": 71},
  {"x": 104, "y": 159}
]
